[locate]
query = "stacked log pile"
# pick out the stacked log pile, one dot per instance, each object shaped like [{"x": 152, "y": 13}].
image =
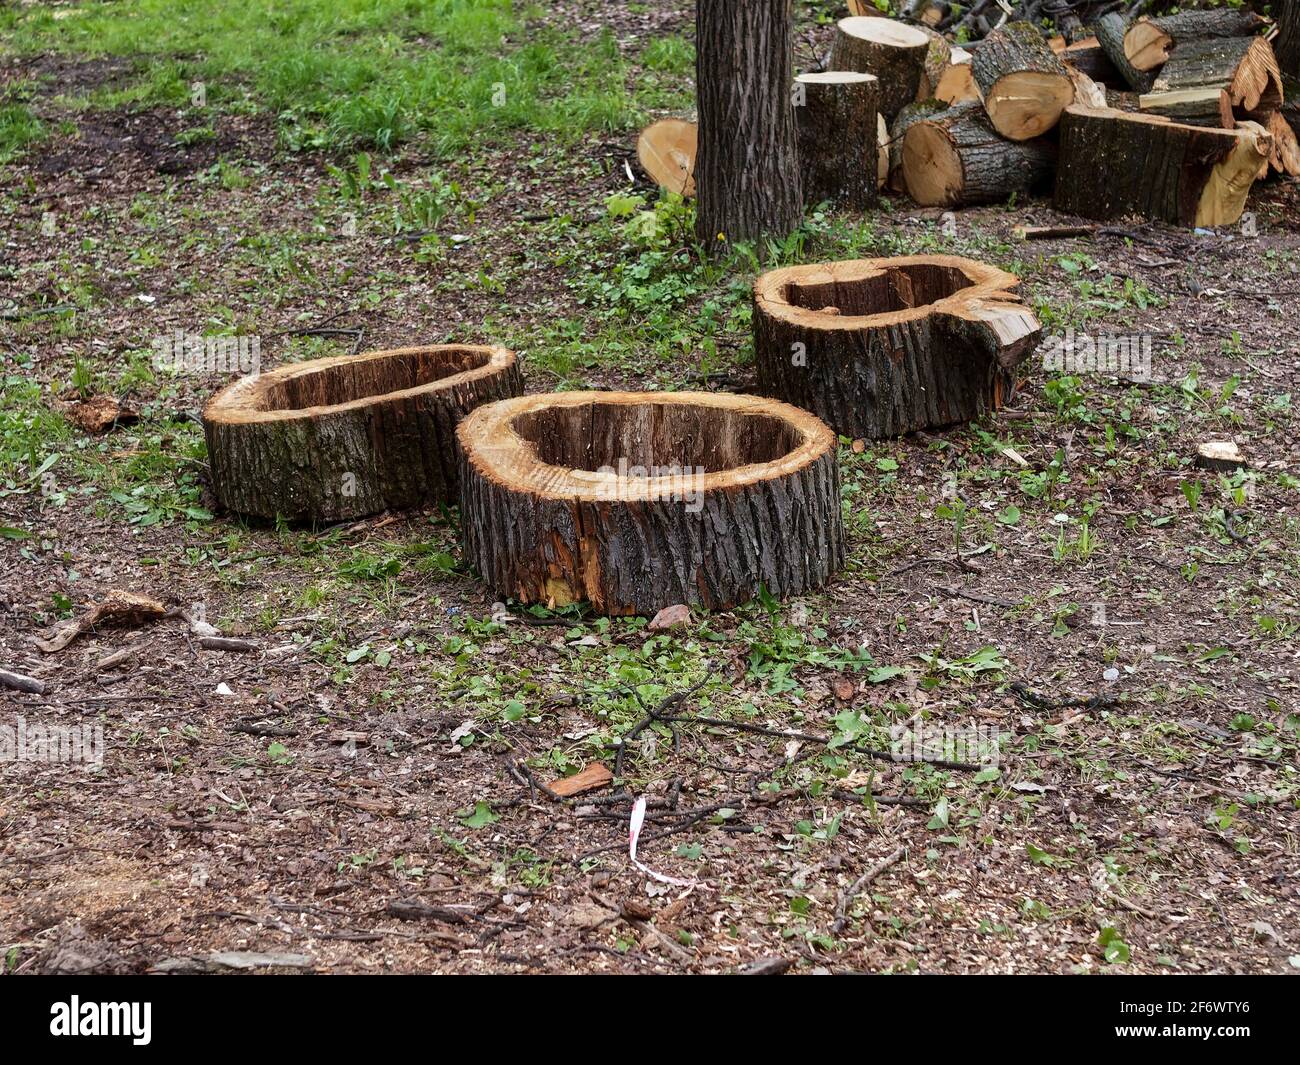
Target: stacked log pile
[{"x": 1216, "y": 93}]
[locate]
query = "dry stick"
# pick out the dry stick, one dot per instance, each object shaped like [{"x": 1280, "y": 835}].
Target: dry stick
[
  {"x": 846, "y": 899},
  {"x": 21, "y": 683}
]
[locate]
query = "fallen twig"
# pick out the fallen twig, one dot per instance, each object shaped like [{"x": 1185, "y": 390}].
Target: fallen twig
[{"x": 846, "y": 899}]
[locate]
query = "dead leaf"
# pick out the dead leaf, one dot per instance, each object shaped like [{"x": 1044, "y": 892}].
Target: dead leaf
[
  {"x": 99, "y": 414},
  {"x": 844, "y": 688},
  {"x": 593, "y": 776},
  {"x": 117, "y": 609},
  {"x": 670, "y": 617}
]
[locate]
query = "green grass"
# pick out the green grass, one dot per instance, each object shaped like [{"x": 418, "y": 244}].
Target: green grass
[
  {"x": 19, "y": 129},
  {"x": 340, "y": 74}
]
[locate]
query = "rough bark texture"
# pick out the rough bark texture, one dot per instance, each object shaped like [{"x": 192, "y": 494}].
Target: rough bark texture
[
  {"x": 835, "y": 114},
  {"x": 957, "y": 158},
  {"x": 1215, "y": 81},
  {"x": 1149, "y": 42},
  {"x": 1025, "y": 84},
  {"x": 1187, "y": 175},
  {"x": 340, "y": 438},
  {"x": 541, "y": 527},
  {"x": 882, "y": 347},
  {"x": 907, "y": 117},
  {"x": 1110, "y": 30},
  {"x": 747, "y": 168},
  {"x": 1287, "y": 43},
  {"x": 894, "y": 53},
  {"x": 937, "y": 58}
]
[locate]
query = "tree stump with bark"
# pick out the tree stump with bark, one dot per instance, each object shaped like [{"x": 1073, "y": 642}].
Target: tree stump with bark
[
  {"x": 882, "y": 347},
  {"x": 956, "y": 158},
  {"x": 835, "y": 114},
  {"x": 907, "y": 118},
  {"x": 896, "y": 54},
  {"x": 339, "y": 438},
  {"x": 1024, "y": 84},
  {"x": 747, "y": 166},
  {"x": 634, "y": 501},
  {"x": 1217, "y": 81},
  {"x": 1203, "y": 178},
  {"x": 666, "y": 151},
  {"x": 1149, "y": 42}
]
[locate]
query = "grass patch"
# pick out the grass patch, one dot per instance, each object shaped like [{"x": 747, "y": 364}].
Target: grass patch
[{"x": 19, "y": 130}]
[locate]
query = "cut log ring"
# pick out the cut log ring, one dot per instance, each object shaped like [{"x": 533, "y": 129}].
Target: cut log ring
[
  {"x": 666, "y": 151},
  {"x": 882, "y": 347},
  {"x": 339, "y": 438},
  {"x": 599, "y": 497}
]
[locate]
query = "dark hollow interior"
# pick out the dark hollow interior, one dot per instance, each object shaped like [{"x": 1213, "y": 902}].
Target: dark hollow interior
[
  {"x": 899, "y": 288},
  {"x": 654, "y": 434},
  {"x": 346, "y": 381}
]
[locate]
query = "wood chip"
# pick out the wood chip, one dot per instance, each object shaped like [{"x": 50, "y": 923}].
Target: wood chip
[{"x": 592, "y": 777}]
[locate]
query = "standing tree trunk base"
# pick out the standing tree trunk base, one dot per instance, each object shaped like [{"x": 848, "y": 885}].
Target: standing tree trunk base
[
  {"x": 336, "y": 439},
  {"x": 634, "y": 501},
  {"x": 957, "y": 158},
  {"x": 1203, "y": 179},
  {"x": 882, "y": 347},
  {"x": 835, "y": 114},
  {"x": 896, "y": 54}
]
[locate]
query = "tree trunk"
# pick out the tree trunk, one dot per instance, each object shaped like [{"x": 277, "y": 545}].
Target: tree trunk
[
  {"x": 340, "y": 438},
  {"x": 1110, "y": 30},
  {"x": 957, "y": 158},
  {"x": 747, "y": 167},
  {"x": 1287, "y": 42},
  {"x": 634, "y": 501},
  {"x": 1149, "y": 42},
  {"x": 835, "y": 114},
  {"x": 1025, "y": 85},
  {"x": 1202, "y": 179},
  {"x": 882, "y": 347},
  {"x": 1216, "y": 81},
  {"x": 894, "y": 53}
]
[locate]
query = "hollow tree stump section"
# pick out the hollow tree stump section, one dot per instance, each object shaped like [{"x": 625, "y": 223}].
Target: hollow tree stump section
[
  {"x": 1149, "y": 42},
  {"x": 666, "y": 151},
  {"x": 1110, "y": 30},
  {"x": 882, "y": 347},
  {"x": 1203, "y": 178},
  {"x": 747, "y": 164},
  {"x": 894, "y": 53},
  {"x": 835, "y": 114},
  {"x": 957, "y": 158},
  {"x": 340, "y": 438},
  {"x": 1216, "y": 81},
  {"x": 1025, "y": 85},
  {"x": 636, "y": 501}
]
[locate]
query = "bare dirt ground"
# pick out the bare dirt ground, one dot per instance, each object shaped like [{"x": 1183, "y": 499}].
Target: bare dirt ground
[{"x": 1128, "y": 623}]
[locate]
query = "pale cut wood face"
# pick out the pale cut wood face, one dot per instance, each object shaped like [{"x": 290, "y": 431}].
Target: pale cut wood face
[{"x": 345, "y": 381}]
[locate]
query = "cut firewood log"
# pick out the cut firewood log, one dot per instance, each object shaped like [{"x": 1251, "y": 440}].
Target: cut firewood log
[
  {"x": 957, "y": 158},
  {"x": 1025, "y": 86},
  {"x": 1090, "y": 57},
  {"x": 882, "y": 347},
  {"x": 339, "y": 438},
  {"x": 1216, "y": 81},
  {"x": 937, "y": 59},
  {"x": 1149, "y": 42},
  {"x": 835, "y": 117},
  {"x": 907, "y": 117},
  {"x": 634, "y": 501},
  {"x": 957, "y": 83},
  {"x": 1110, "y": 30},
  {"x": 666, "y": 151},
  {"x": 894, "y": 53},
  {"x": 1203, "y": 178}
]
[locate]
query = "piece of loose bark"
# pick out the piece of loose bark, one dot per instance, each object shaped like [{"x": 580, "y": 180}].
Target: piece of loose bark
[
  {"x": 118, "y": 609},
  {"x": 593, "y": 777},
  {"x": 98, "y": 414}
]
